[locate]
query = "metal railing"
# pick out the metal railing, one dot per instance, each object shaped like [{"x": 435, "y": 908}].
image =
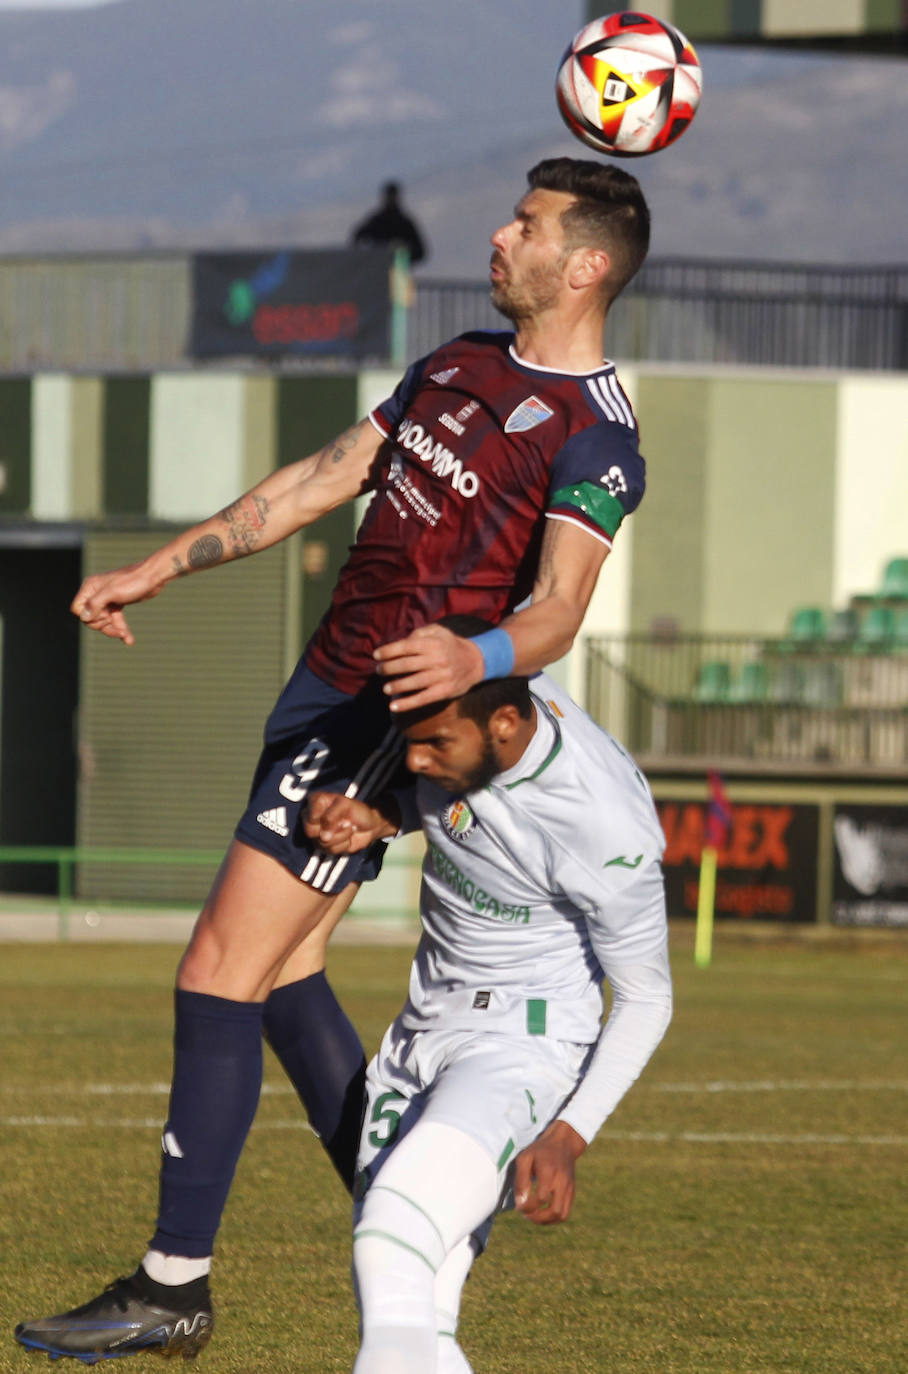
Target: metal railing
[
  {"x": 690, "y": 311},
  {"x": 773, "y": 703},
  {"x": 73, "y": 865},
  {"x": 132, "y": 314}
]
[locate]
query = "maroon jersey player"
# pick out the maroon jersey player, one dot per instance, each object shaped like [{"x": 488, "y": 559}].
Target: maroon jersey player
[
  {"x": 501, "y": 467},
  {"x": 482, "y": 448}
]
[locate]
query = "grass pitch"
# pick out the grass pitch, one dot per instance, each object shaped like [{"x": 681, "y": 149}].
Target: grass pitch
[{"x": 744, "y": 1209}]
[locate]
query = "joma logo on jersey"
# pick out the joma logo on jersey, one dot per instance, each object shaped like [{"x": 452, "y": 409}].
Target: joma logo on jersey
[
  {"x": 442, "y": 461},
  {"x": 458, "y": 820}
]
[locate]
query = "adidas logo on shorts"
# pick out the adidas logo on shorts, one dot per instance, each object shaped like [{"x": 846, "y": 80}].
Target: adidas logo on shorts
[{"x": 275, "y": 820}]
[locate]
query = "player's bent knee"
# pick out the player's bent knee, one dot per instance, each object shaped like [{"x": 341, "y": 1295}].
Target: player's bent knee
[
  {"x": 397, "y": 1251},
  {"x": 447, "y": 1174}
]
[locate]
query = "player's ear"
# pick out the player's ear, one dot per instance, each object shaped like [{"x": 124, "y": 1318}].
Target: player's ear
[
  {"x": 588, "y": 267},
  {"x": 503, "y": 722}
]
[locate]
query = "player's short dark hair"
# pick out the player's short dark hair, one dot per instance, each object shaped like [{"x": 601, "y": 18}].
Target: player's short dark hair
[
  {"x": 610, "y": 212},
  {"x": 480, "y": 702}
]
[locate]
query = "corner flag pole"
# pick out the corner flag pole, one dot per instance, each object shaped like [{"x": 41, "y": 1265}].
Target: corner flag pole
[
  {"x": 718, "y": 820},
  {"x": 706, "y": 906}
]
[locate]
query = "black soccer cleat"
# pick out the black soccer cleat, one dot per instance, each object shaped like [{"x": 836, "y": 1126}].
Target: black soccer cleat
[{"x": 122, "y": 1321}]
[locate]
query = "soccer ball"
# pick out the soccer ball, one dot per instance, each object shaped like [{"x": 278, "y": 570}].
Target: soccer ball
[{"x": 629, "y": 84}]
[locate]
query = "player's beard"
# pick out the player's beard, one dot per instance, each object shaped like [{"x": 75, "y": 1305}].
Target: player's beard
[
  {"x": 486, "y": 768},
  {"x": 522, "y": 301}
]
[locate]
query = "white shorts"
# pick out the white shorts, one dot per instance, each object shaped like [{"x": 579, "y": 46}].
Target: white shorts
[{"x": 502, "y": 1090}]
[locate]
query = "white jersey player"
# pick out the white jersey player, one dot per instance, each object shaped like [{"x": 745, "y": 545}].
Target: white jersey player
[{"x": 542, "y": 874}]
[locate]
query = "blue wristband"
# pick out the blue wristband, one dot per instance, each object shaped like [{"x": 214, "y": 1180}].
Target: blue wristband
[{"x": 497, "y": 651}]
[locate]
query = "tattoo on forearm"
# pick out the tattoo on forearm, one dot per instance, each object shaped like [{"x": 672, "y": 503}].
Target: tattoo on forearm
[
  {"x": 205, "y": 552},
  {"x": 337, "y": 451},
  {"x": 179, "y": 567},
  {"x": 245, "y": 519}
]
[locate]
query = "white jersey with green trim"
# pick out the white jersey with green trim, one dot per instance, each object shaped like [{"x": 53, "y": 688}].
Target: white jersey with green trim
[{"x": 538, "y": 884}]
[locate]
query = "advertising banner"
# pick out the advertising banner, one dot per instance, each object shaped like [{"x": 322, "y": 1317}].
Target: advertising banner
[
  {"x": 335, "y": 302},
  {"x": 767, "y": 865},
  {"x": 870, "y": 875}
]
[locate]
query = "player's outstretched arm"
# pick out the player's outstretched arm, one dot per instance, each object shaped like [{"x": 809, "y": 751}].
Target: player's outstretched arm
[
  {"x": 282, "y": 503},
  {"x": 544, "y": 1174},
  {"x": 432, "y": 664},
  {"x": 341, "y": 825}
]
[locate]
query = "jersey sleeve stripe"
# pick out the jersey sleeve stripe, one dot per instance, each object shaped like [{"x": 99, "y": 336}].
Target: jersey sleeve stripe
[
  {"x": 582, "y": 524},
  {"x": 378, "y": 421},
  {"x": 602, "y": 400},
  {"x": 621, "y": 401},
  {"x": 611, "y": 400}
]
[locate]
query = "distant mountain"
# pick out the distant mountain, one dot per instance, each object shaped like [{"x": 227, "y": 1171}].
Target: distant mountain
[{"x": 166, "y": 123}]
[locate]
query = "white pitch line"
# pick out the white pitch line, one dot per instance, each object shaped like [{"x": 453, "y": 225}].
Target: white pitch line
[
  {"x": 801, "y": 1085},
  {"x": 709, "y": 1087},
  {"x": 750, "y": 1138},
  {"x": 123, "y": 1089},
  {"x": 138, "y": 1123},
  {"x": 644, "y": 1137}
]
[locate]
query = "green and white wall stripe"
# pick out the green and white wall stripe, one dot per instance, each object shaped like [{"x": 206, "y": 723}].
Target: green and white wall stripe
[
  {"x": 66, "y": 478},
  {"x": 718, "y": 20},
  {"x": 765, "y": 487}
]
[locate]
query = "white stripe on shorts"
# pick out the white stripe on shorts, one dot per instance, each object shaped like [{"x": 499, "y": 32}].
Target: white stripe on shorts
[{"x": 323, "y": 871}]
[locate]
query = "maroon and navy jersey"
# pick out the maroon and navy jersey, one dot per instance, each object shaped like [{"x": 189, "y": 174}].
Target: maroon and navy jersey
[{"x": 481, "y": 448}]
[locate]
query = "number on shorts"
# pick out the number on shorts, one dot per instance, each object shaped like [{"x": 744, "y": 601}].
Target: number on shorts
[
  {"x": 306, "y": 768},
  {"x": 389, "y": 1118}
]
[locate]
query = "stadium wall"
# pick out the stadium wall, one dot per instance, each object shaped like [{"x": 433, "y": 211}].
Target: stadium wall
[
  {"x": 767, "y": 488},
  {"x": 768, "y": 20}
]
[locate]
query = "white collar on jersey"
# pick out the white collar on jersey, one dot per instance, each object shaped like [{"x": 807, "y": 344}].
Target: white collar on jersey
[
  {"x": 540, "y": 751},
  {"x": 605, "y": 366}
]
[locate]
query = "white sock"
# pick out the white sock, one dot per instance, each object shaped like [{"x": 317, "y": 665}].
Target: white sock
[
  {"x": 174, "y": 1269},
  {"x": 451, "y": 1359},
  {"x": 429, "y": 1195},
  {"x": 397, "y": 1350},
  {"x": 449, "y": 1282}
]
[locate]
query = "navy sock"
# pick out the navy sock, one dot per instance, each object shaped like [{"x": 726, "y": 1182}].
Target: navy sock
[
  {"x": 321, "y": 1052},
  {"x": 217, "y": 1078}
]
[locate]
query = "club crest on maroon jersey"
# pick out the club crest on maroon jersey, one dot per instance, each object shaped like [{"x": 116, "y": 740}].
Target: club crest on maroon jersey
[{"x": 527, "y": 415}]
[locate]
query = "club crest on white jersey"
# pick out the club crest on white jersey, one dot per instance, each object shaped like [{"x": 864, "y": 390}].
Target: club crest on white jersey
[
  {"x": 527, "y": 415},
  {"x": 458, "y": 820}
]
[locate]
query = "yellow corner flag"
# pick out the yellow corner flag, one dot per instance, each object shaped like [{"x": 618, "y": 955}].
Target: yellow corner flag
[
  {"x": 718, "y": 820},
  {"x": 706, "y": 906}
]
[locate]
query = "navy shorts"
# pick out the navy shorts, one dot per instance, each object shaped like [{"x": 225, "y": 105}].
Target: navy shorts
[{"x": 320, "y": 739}]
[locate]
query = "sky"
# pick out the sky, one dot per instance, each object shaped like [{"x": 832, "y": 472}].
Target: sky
[
  {"x": 158, "y": 124},
  {"x": 55, "y": 4}
]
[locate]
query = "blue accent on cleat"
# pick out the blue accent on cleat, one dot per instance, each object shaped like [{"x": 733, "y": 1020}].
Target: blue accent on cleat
[{"x": 121, "y": 1321}]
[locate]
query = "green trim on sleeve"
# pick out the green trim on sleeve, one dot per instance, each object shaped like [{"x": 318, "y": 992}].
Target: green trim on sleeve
[{"x": 597, "y": 504}]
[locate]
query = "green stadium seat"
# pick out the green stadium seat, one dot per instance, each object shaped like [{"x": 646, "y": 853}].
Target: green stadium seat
[
  {"x": 751, "y": 684},
  {"x": 807, "y": 625},
  {"x": 900, "y": 630},
  {"x": 877, "y": 628},
  {"x": 714, "y": 681},
  {"x": 895, "y": 579},
  {"x": 843, "y": 626},
  {"x": 787, "y": 683},
  {"x": 822, "y": 685}
]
